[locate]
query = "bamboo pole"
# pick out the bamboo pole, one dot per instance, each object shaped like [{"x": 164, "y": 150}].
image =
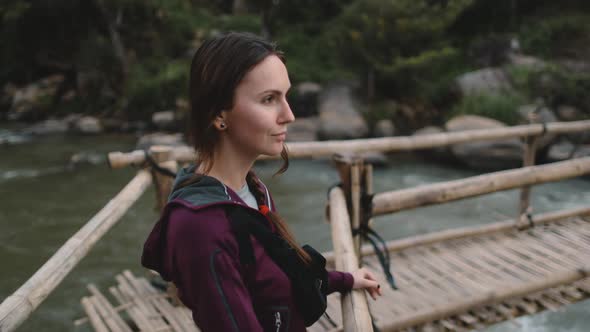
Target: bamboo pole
[
  {"x": 18, "y": 306},
  {"x": 463, "y": 232},
  {"x": 355, "y": 200},
  {"x": 393, "y": 201},
  {"x": 355, "y": 310},
  {"x": 528, "y": 159},
  {"x": 162, "y": 156},
  {"x": 491, "y": 297},
  {"x": 384, "y": 144}
]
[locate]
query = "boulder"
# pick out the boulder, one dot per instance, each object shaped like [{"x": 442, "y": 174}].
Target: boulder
[
  {"x": 304, "y": 102},
  {"x": 569, "y": 113},
  {"x": 485, "y": 155},
  {"x": 526, "y": 61},
  {"x": 148, "y": 140},
  {"x": 339, "y": 118},
  {"x": 47, "y": 127},
  {"x": 484, "y": 81},
  {"x": 31, "y": 100},
  {"x": 165, "y": 120},
  {"x": 442, "y": 153},
  {"x": 384, "y": 128},
  {"x": 88, "y": 125},
  {"x": 565, "y": 150},
  {"x": 303, "y": 130}
]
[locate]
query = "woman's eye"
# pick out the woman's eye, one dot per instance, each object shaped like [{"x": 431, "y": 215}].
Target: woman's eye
[{"x": 268, "y": 99}]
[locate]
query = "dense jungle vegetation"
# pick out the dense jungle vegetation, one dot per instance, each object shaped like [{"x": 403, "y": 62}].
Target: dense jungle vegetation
[{"x": 130, "y": 58}]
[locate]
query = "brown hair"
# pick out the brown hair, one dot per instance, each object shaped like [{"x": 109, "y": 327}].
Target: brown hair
[{"x": 217, "y": 68}]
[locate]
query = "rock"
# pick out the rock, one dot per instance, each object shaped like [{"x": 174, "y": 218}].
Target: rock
[
  {"x": 483, "y": 81},
  {"x": 164, "y": 120},
  {"x": 384, "y": 128},
  {"x": 308, "y": 88},
  {"x": 339, "y": 118},
  {"x": 51, "y": 126},
  {"x": 485, "y": 155},
  {"x": 442, "y": 153},
  {"x": 31, "y": 100},
  {"x": 569, "y": 113},
  {"x": 541, "y": 115},
  {"x": 148, "y": 140},
  {"x": 303, "y": 130},
  {"x": 575, "y": 66},
  {"x": 565, "y": 150},
  {"x": 526, "y": 61},
  {"x": 304, "y": 102},
  {"x": 91, "y": 158},
  {"x": 88, "y": 125}
]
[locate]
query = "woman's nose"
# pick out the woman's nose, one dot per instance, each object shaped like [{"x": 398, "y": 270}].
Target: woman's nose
[{"x": 287, "y": 113}]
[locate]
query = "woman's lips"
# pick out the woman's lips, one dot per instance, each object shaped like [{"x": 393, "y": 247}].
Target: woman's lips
[{"x": 281, "y": 136}]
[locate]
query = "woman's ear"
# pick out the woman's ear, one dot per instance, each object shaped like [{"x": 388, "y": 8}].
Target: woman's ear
[{"x": 220, "y": 121}]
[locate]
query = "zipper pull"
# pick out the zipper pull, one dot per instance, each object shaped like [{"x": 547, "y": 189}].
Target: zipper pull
[{"x": 278, "y": 320}]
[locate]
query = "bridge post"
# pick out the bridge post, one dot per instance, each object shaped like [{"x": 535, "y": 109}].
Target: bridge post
[
  {"x": 528, "y": 159},
  {"x": 162, "y": 155},
  {"x": 356, "y": 180}
]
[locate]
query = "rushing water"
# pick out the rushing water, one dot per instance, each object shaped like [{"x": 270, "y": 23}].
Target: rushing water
[{"x": 44, "y": 201}]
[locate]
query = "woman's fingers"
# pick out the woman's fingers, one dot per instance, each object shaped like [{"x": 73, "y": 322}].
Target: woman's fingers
[{"x": 365, "y": 279}]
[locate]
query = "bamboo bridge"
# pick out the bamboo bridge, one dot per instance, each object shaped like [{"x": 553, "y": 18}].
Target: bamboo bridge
[{"x": 451, "y": 280}]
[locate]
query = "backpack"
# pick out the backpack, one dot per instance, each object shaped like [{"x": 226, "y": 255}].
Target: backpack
[{"x": 309, "y": 282}]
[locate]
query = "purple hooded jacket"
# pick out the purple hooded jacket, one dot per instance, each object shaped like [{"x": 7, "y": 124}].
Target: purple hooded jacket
[{"x": 192, "y": 245}]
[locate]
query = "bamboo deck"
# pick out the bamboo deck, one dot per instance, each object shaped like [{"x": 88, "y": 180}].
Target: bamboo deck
[{"x": 457, "y": 284}]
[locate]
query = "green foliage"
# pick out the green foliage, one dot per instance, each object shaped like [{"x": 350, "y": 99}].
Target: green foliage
[
  {"x": 502, "y": 107},
  {"x": 155, "y": 85},
  {"x": 557, "y": 85},
  {"x": 403, "y": 41},
  {"x": 558, "y": 36},
  {"x": 315, "y": 61}
]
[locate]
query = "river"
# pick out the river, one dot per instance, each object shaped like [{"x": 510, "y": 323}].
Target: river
[{"x": 44, "y": 202}]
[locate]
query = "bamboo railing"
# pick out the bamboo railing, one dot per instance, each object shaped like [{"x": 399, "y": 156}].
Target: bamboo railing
[
  {"x": 385, "y": 144},
  {"x": 437, "y": 193},
  {"x": 16, "y": 308},
  {"x": 355, "y": 309}
]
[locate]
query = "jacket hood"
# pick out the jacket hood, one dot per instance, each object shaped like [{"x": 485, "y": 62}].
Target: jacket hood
[
  {"x": 207, "y": 190},
  {"x": 202, "y": 193}
]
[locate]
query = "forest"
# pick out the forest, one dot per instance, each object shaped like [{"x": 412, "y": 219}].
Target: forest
[{"x": 124, "y": 60}]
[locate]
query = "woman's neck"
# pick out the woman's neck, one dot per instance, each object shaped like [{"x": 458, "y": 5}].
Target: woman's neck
[{"x": 231, "y": 169}]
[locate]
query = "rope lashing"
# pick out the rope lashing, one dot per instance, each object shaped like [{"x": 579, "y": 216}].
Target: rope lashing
[{"x": 367, "y": 233}]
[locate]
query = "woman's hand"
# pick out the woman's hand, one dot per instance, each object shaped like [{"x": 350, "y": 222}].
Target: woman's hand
[{"x": 364, "y": 279}]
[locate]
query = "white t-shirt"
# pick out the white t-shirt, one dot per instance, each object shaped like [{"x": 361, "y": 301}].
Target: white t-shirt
[{"x": 246, "y": 195}]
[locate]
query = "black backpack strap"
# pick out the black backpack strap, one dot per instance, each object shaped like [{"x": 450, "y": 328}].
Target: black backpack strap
[{"x": 240, "y": 229}]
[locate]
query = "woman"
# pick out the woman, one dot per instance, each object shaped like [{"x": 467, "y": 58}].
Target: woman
[{"x": 239, "y": 111}]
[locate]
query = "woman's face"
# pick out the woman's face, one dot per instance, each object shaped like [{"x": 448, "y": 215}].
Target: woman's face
[{"x": 257, "y": 123}]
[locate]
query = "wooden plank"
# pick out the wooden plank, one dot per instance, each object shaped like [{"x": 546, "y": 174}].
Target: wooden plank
[
  {"x": 132, "y": 310},
  {"x": 110, "y": 315},
  {"x": 93, "y": 315}
]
